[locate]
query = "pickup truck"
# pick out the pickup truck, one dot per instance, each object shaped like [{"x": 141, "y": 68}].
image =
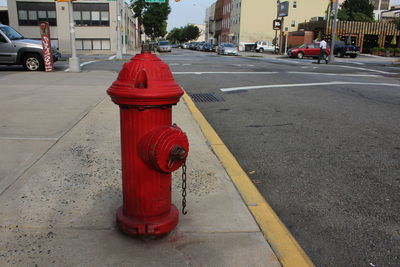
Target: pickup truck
[
  {"x": 341, "y": 50},
  {"x": 18, "y": 50}
]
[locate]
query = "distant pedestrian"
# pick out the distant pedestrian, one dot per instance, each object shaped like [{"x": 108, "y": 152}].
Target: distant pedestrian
[{"x": 322, "y": 51}]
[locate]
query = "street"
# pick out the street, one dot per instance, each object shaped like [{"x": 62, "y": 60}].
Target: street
[{"x": 320, "y": 142}]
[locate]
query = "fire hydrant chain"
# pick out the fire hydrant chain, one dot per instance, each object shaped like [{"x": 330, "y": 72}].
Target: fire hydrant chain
[{"x": 184, "y": 212}]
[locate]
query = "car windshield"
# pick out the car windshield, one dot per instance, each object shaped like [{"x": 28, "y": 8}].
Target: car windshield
[
  {"x": 304, "y": 46},
  {"x": 229, "y": 45},
  {"x": 164, "y": 43},
  {"x": 11, "y": 33}
]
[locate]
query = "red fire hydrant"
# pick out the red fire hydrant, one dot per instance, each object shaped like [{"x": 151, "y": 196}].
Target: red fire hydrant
[{"x": 151, "y": 147}]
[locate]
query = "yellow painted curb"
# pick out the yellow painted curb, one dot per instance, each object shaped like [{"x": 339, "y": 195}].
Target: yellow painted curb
[{"x": 286, "y": 248}]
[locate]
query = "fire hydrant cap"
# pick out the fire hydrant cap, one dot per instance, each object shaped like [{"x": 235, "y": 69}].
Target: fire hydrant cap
[{"x": 145, "y": 80}]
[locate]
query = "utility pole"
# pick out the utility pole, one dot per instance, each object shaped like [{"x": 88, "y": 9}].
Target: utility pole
[
  {"x": 276, "y": 31},
  {"x": 74, "y": 65},
  {"x": 124, "y": 25},
  {"x": 119, "y": 52},
  {"x": 333, "y": 38}
]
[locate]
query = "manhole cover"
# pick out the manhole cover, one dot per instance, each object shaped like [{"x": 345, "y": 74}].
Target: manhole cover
[{"x": 206, "y": 98}]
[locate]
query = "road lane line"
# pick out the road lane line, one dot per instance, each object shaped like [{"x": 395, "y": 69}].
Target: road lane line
[
  {"x": 378, "y": 71},
  {"x": 335, "y": 74},
  {"x": 285, "y": 246},
  {"x": 112, "y": 57},
  {"x": 223, "y": 72},
  {"x": 303, "y": 85}
]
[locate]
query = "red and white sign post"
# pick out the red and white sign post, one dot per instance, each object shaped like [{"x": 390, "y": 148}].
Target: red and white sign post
[{"x": 46, "y": 43}]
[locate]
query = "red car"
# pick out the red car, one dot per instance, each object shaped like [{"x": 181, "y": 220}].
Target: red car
[{"x": 307, "y": 50}]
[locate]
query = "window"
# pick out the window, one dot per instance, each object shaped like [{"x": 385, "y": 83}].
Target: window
[
  {"x": 294, "y": 3},
  {"x": 86, "y": 14},
  {"x": 93, "y": 44},
  {"x": 33, "y": 13},
  {"x": 293, "y": 23}
]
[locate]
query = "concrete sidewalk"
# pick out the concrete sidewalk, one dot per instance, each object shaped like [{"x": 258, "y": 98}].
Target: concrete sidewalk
[{"x": 60, "y": 185}]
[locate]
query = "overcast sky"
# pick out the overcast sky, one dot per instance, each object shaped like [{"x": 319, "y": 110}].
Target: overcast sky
[{"x": 187, "y": 11}]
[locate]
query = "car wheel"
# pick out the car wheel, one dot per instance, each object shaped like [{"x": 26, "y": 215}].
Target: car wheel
[
  {"x": 32, "y": 62},
  {"x": 261, "y": 50},
  {"x": 353, "y": 56},
  {"x": 300, "y": 55}
]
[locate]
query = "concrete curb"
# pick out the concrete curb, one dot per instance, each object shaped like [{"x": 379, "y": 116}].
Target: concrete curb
[{"x": 285, "y": 246}]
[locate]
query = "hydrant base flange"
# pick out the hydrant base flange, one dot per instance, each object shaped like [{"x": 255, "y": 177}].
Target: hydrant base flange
[{"x": 146, "y": 226}]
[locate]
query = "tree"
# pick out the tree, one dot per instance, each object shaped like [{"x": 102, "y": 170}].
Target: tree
[
  {"x": 153, "y": 17},
  {"x": 184, "y": 34},
  {"x": 175, "y": 36},
  {"x": 357, "y": 10},
  {"x": 191, "y": 32}
]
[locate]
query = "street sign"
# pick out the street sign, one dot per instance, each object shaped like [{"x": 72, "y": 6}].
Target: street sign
[
  {"x": 155, "y": 1},
  {"x": 283, "y": 9},
  {"x": 277, "y": 24}
]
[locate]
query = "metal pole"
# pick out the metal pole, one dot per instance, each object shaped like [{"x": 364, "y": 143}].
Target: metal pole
[
  {"x": 124, "y": 25},
  {"x": 119, "y": 52},
  {"x": 331, "y": 59},
  {"x": 74, "y": 65},
  {"x": 286, "y": 44},
  {"x": 276, "y": 32}
]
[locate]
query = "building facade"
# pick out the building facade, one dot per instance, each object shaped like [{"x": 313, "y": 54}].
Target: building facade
[
  {"x": 95, "y": 23},
  {"x": 209, "y": 21},
  {"x": 248, "y": 21}
]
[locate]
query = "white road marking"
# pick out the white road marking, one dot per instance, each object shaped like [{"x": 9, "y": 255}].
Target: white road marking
[
  {"x": 29, "y": 138},
  {"x": 378, "y": 71},
  {"x": 112, "y": 57},
  {"x": 222, "y": 72},
  {"x": 84, "y": 63},
  {"x": 303, "y": 85},
  {"x": 187, "y": 64},
  {"x": 335, "y": 74},
  {"x": 174, "y": 64}
]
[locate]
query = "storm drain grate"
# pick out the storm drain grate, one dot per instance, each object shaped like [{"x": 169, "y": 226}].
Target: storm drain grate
[{"x": 206, "y": 98}]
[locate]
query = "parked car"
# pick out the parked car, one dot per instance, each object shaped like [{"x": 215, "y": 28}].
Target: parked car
[
  {"x": 227, "y": 49},
  {"x": 18, "y": 50},
  {"x": 342, "y": 50},
  {"x": 261, "y": 46},
  {"x": 163, "y": 46},
  {"x": 185, "y": 45},
  {"x": 307, "y": 50},
  {"x": 208, "y": 47}
]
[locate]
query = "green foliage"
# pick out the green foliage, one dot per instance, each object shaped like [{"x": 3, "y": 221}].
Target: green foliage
[
  {"x": 397, "y": 22},
  {"x": 397, "y": 50},
  {"x": 183, "y": 34},
  {"x": 375, "y": 49},
  {"x": 342, "y": 14},
  {"x": 175, "y": 36},
  {"x": 357, "y": 10},
  {"x": 382, "y": 49},
  {"x": 319, "y": 36},
  {"x": 153, "y": 17},
  {"x": 191, "y": 32}
]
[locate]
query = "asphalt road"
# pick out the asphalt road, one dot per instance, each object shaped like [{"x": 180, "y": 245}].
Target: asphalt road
[{"x": 320, "y": 142}]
